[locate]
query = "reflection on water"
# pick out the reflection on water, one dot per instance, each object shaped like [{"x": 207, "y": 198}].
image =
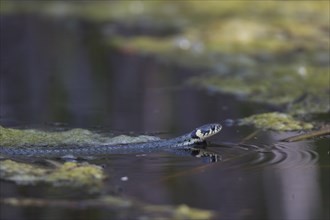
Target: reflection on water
[
  {"x": 297, "y": 178},
  {"x": 50, "y": 72}
]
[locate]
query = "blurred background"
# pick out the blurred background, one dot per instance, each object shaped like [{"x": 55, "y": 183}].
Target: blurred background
[
  {"x": 170, "y": 66},
  {"x": 129, "y": 64}
]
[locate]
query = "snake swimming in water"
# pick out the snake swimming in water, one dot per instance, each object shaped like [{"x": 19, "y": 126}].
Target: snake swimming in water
[{"x": 183, "y": 142}]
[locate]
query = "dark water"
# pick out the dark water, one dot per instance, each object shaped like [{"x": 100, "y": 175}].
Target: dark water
[{"x": 62, "y": 72}]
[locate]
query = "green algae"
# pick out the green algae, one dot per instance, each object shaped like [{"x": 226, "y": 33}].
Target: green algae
[
  {"x": 68, "y": 174},
  {"x": 184, "y": 211},
  {"x": 125, "y": 139},
  {"x": 236, "y": 27},
  {"x": 131, "y": 207},
  {"x": 181, "y": 212},
  {"x": 21, "y": 173},
  {"x": 16, "y": 137},
  {"x": 76, "y": 174},
  {"x": 276, "y": 121},
  {"x": 10, "y": 137},
  {"x": 302, "y": 91}
]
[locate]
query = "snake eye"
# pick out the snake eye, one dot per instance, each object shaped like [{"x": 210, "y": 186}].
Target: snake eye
[{"x": 217, "y": 127}]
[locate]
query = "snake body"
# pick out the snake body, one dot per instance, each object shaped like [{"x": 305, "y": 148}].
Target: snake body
[{"x": 196, "y": 136}]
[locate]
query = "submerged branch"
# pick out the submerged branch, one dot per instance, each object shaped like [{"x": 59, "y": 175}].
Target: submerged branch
[{"x": 323, "y": 131}]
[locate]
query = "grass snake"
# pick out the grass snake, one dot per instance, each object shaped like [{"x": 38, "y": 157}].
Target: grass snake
[{"x": 183, "y": 142}]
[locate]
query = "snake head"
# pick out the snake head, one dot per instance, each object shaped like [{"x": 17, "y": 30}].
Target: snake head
[{"x": 205, "y": 131}]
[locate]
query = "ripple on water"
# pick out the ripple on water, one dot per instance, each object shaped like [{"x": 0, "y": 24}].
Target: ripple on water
[
  {"x": 297, "y": 154},
  {"x": 279, "y": 155}
]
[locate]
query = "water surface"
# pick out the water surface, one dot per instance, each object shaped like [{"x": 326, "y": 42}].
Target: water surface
[{"x": 52, "y": 79}]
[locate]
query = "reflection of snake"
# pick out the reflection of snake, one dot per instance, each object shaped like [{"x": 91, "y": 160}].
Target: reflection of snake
[{"x": 182, "y": 142}]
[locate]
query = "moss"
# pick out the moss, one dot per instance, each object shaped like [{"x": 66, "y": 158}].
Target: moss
[
  {"x": 276, "y": 121},
  {"x": 68, "y": 174}
]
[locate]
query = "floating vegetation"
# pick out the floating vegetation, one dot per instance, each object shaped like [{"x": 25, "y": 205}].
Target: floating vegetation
[
  {"x": 300, "y": 94},
  {"x": 68, "y": 174},
  {"x": 270, "y": 56},
  {"x": 10, "y": 137},
  {"x": 76, "y": 174},
  {"x": 21, "y": 173},
  {"x": 17, "y": 137},
  {"x": 276, "y": 121},
  {"x": 145, "y": 211},
  {"x": 180, "y": 212}
]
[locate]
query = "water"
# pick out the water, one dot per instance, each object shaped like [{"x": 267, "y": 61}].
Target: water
[{"x": 50, "y": 75}]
